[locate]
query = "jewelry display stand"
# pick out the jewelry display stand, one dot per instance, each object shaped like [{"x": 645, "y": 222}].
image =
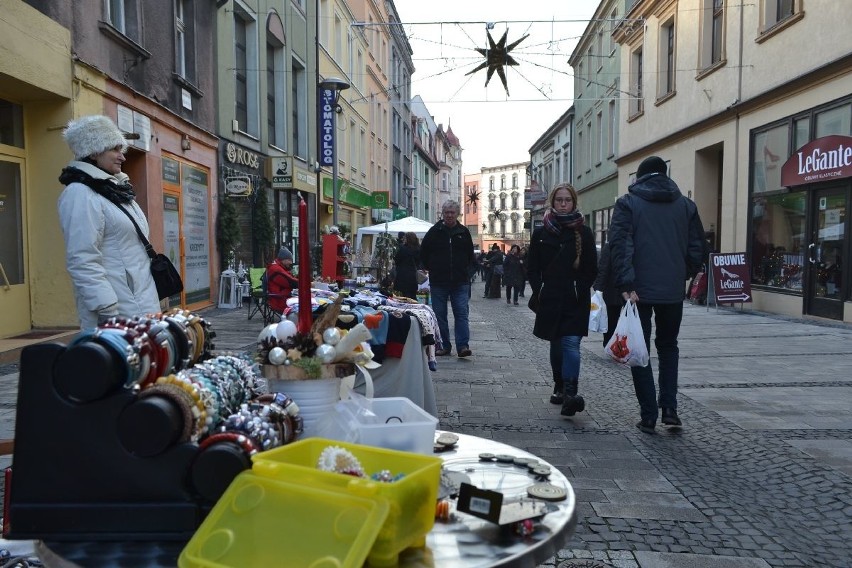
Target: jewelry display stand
[{"x": 94, "y": 461}]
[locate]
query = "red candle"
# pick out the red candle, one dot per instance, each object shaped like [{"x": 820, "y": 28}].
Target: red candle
[{"x": 305, "y": 318}]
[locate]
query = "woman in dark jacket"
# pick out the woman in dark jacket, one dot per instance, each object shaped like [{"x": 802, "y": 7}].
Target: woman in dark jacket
[
  {"x": 513, "y": 273},
  {"x": 407, "y": 261},
  {"x": 561, "y": 265}
]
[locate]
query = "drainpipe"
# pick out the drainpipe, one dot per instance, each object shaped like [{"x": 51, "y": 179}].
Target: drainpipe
[{"x": 737, "y": 128}]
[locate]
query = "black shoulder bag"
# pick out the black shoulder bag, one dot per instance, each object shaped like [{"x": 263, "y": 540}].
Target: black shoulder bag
[{"x": 166, "y": 277}]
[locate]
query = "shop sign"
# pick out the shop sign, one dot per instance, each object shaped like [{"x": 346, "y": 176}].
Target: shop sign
[
  {"x": 137, "y": 124},
  {"x": 824, "y": 159},
  {"x": 240, "y": 156},
  {"x": 731, "y": 277},
  {"x": 326, "y": 126},
  {"x": 381, "y": 199},
  {"x": 347, "y": 193},
  {"x": 399, "y": 213},
  {"x": 282, "y": 172},
  {"x": 238, "y": 186},
  {"x": 381, "y": 215},
  {"x": 304, "y": 177}
]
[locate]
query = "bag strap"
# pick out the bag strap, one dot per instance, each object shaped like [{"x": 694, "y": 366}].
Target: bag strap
[{"x": 148, "y": 248}]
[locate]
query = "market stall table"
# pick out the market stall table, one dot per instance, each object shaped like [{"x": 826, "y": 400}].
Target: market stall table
[{"x": 466, "y": 542}]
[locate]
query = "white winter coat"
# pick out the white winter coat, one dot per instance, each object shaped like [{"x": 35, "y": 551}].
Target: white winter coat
[{"x": 104, "y": 256}]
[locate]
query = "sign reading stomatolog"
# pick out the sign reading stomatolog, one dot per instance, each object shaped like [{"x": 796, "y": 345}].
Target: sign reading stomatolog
[
  {"x": 824, "y": 159},
  {"x": 731, "y": 277}
]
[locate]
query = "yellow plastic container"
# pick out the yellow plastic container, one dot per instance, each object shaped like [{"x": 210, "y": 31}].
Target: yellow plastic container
[
  {"x": 412, "y": 498},
  {"x": 260, "y": 521}
]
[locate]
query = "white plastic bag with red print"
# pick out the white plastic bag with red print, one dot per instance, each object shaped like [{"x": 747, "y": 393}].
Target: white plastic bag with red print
[{"x": 627, "y": 344}]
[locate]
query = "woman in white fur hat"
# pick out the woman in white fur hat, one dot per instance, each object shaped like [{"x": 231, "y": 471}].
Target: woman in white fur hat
[{"x": 107, "y": 262}]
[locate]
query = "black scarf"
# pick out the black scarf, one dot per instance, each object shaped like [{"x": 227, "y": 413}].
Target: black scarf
[{"x": 117, "y": 193}]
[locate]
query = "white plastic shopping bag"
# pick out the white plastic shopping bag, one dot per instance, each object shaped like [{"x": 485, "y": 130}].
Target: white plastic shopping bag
[
  {"x": 627, "y": 344},
  {"x": 597, "y": 314}
]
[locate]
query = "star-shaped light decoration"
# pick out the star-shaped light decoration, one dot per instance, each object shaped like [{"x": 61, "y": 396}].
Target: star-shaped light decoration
[
  {"x": 473, "y": 197},
  {"x": 496, "y": 57}
]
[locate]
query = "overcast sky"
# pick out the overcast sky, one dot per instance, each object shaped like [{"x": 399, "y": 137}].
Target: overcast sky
[{"x": 494, "y": 128}]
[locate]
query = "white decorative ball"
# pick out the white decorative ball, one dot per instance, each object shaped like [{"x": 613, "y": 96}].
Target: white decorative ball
[
  {"x": 267, "y": 332},
  {"x": 326, "y": 353},
  {"x": 286, "y": 329},
  {"x": 331, "y": 336},
  {"x": 277, "y": 355}
]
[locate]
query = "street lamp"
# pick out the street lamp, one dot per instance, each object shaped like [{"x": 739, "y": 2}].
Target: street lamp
[
  {"x": 408, "y": 189},
  {"x": 330, "y": 107}
]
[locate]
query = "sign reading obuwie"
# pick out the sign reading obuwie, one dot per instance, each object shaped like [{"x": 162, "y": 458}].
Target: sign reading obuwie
[{"x": 731, "y": 277}]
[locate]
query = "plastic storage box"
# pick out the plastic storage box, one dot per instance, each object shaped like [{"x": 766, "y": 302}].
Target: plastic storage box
[
  {"x": 399, "y": 424},
  {"x": 260, "y": 521},
  {"x": 411, "y": 499}
]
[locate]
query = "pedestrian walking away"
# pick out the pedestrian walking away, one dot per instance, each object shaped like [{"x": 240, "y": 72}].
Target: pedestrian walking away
[
  {"x": 107, "y": 262},
  {"x": 407, "y": 263},
  {"x": 561, "y": 265},
  {"x": 657, "y": 244},
  {"x": 447, "y": 253},
  {"x": 606, "y": 286},
  {"x": 513, "y": 274}
]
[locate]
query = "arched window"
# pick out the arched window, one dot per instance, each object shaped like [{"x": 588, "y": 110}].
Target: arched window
[
  {"x": 491, "y": 225},
  {"x": 502, "y": 201},
  {"x": 503, "y": 227},
  {"x": 491, "y": 202},
  {"x": 503, "y": 181},
  {"x": 514, "y": 200},
  {"x": 514, "y": 181}
]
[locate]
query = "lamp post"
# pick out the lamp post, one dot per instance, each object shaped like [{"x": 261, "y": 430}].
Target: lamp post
[
  {"x": 408, "y": 189},
  {"x": 332, "y": 107}
]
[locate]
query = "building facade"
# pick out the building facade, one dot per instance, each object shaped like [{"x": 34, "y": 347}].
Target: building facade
[
  {"x": 551, "y": 163},
  {"x": 472, "y": 207},
  {"x": 597, "y": 94},
  {"x": 757, "y": 138},
  {"x": 503, "y": 216},
  {"x": 143, "y": 67}
]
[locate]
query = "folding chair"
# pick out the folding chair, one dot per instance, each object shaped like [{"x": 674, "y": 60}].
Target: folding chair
[{"x": 260, "y": 297}]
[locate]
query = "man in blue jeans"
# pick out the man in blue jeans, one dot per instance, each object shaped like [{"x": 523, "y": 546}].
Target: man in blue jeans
[
  {"x": 656, "y": 244},
  {"x": 447, "y": 253}
]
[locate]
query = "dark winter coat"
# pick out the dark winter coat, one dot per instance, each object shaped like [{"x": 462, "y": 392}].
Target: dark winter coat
[
  {"x": 447, "y": 253},
  {"x": 563, "y": 292},
  {"x": 406, "y": 262},
  {"x": 513, "y": 271},
  {"x": 656, "y": 239},
  {"x": 605, "y": 282}
]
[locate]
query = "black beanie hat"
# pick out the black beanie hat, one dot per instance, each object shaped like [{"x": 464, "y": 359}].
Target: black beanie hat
[{"x": 652, "y": 165}]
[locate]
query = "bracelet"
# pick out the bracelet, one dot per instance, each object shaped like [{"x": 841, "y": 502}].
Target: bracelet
[
  {"x": 181, "y": 399},
  {"x": 199, "y": 411},
  {"x": 243, "y": 441}
]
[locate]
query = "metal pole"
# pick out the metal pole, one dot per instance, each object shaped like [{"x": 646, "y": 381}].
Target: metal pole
[{"x": 334, "y": 189}]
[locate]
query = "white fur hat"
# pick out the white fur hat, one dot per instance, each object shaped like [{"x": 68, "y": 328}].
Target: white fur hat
[{"x": 90, "y": 135}]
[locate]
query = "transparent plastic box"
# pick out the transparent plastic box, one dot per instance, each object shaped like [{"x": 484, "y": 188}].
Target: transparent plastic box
[{"x": 398, "y": 424}]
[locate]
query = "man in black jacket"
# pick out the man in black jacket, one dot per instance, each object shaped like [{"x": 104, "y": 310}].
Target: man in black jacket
[
  {"x": 657, "y": 243},
  {"x": 447, "y": 253}
]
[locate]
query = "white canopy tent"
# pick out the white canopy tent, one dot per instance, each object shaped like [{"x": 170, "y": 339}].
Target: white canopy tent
[{"x": 406, "y": 225}]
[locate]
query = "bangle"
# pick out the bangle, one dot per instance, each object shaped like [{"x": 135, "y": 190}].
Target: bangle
[
  {"x": 243, "y": 441},
  {"x": 199, "y": 411},
  {"x": 181, "y": 399}
]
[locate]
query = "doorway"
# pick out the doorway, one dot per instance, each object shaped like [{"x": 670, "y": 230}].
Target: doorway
[
  {"x": 14, "y": 278},
  {"x": 827, "y": 250}
]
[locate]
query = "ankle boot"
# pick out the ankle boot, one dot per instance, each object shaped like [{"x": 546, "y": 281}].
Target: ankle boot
[
  {"x": 556, "y": 397},
  {"x": 572, "y": 402}
]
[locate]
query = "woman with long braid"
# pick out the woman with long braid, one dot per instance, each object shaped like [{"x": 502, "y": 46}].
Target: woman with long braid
[{"x": 562, "y": 264}]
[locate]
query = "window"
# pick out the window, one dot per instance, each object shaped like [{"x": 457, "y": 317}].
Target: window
[
  {"x": 667, "y": 59},
  {"x": 276, "y": 89},
  {"x": 491, "y": 199},
  {"x": 581, "y": 159},
  {"x": 636, "y": 102},
  {"x": 613, "y": 23},
  {"x": 185, "y": 39},
  {"x": 354, "y": 159},
  {"x": 514, "y": 181},
  {"x": 123, "y": 15},
  {"x": 12, "y": 256},
  {"x": 599, "y": 49},
  {"x": 514, "y": 222},
  {"x": 503, "y": 181},
  {"x": 834, "y": 121},
  {"x": 778, "y": 240},
  {"x": 801, "y": 132},
  {"x": 245, "y": 71},
  {"x": 716, "y": 33},
  {"x": 491, "y": 183},
  {"x": 612, "y": 128},
  {"x": 299, "y": 101},
  {"x": 338, "y": 39},
  {"x": 601, "y": 140},
  {"x": 588, "y": 150},
  {"x": 776, "y": 11},
  {"x": 11, "y": 124},
  {"x": 502, "y": 201},
  {"x": 514, "y": 200},
  {"x": 601, "y": 219},
  {"x": 769, "y": 154}
]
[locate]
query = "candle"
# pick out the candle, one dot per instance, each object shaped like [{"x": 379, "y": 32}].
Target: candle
[{"x": 305, "y": 319}]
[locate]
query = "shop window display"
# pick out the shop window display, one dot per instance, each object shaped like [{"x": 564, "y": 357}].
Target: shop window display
[{"x": 778, "y": 240}]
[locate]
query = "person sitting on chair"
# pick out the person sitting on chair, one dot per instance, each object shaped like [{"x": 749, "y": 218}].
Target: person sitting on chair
[{"x": 280, "y": 281}]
